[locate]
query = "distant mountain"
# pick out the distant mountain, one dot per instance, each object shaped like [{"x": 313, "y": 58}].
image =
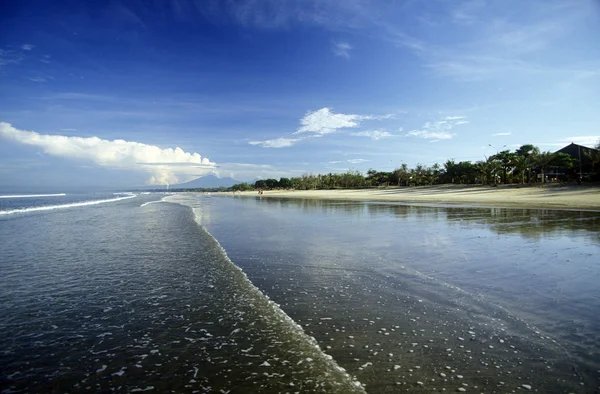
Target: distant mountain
[{"x": 208, "y": 181}]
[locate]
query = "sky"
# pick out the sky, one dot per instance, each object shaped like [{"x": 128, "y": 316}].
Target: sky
[{"x": 127, "y": 93}]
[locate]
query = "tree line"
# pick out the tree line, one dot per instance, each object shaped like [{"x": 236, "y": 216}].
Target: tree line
[{"x": 527, "y": 164}]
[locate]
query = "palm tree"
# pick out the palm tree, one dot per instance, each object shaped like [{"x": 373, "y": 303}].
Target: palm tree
[
  {"x": 494, "y": 167},
  {"x": 489, "y": 170},
  {"x": 529, "y": 152},
  {"x": 546, "y": 159},
  {"x": 402, "y": 174},
  {"x": 521, "y": 165},
  {"x": 543, "y": 161},
  {"x": 483, "y": 170},
  {"x": 450, "y": 170},
  {"x": 506, "y": 159}
]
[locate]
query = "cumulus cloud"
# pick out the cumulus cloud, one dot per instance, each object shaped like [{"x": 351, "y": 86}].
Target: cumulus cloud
[
  {"x": 324, "y": 121},
  {"x": 501, "y": 134},
  {"x": 439, "y": 130},
  {"x": 374, "y": 134},
  {"x": 276, "y": 143},
  {"x": 163, "y": 164},
  {"x": 342, "y": 49}
]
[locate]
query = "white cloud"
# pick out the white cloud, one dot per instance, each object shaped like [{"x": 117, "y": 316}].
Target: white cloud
[
  {"x": 38, "y": 79},
  {"x": 357, "y": 161},
  {"x": 9, "y": 57},
  {"x": 439, "y": 130},
  {"x": 323, "y": 121},
  {"x": 440, "y": 135},
  {"x": 351, "y": 161},
  {"x": 27, "y": 47},
  {"x": 277, "y": 142},
  {"x": 502, "y": 134},
  {"x": 163, "y": 164},
  {"x": 375, "y": 134},
  {"x": 342, "y": 49}
]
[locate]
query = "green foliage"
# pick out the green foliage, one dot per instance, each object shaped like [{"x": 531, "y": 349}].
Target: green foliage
[
  {"x": 285, "y": 183},
  {"x": 506, "y": 160},
  {"x": 242, "y": 187},
  {"x": 519, "y": 166}
]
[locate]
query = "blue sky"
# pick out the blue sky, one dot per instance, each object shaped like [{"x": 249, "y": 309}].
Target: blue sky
[{"x": 118, "y": 93}]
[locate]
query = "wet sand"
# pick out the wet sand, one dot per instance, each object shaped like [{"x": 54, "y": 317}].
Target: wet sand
[{"x": 549, "y": 196}]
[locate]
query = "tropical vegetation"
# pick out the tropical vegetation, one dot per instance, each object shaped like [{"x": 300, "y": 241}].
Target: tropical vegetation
[{"x": 525, "y": 165}]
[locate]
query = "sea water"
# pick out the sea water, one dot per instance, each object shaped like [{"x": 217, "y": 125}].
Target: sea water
[{"x": 193, "y": 293}]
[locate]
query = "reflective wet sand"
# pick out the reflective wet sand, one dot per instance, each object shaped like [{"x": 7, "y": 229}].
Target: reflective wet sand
[{"x": 428, "y": 297}]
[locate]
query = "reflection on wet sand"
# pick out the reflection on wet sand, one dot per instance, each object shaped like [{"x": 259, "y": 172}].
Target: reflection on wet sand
[{"x": 386, "y": 288}]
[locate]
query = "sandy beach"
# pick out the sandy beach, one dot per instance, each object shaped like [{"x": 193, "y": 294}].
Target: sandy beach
[{"x": 549, "y": 196}]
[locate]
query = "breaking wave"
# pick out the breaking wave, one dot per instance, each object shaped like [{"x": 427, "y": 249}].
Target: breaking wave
[
  {"x": 64, "y": 206},
  {"x": 33, "y": 195}
]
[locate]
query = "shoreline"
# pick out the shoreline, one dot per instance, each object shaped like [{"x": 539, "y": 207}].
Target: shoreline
[{"x": 552, "y": 196}]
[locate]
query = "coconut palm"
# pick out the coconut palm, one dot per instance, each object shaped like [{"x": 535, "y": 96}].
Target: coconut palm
[
  {"x": 529, "y": 152},
  {"x": 521, "y": 165},
  {"x": 506, "y": 159},
  {"x": 546, "y": 159}
]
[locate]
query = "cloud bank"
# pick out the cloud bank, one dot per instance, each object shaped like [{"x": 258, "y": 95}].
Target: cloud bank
[{"x": 163, "y": 164}]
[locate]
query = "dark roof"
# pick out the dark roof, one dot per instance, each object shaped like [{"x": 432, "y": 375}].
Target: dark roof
[
  {"x": 574, "y": 149},
  {"x": 578, "y": 152}
]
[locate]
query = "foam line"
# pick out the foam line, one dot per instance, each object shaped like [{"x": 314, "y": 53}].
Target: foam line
[
  {"x": 33, "y": 195},
  {"x": 64, "y": 206},
  {"x": 354, "y": 386}
]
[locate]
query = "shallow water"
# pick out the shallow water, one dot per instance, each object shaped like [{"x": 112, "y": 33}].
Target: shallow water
[
  {"x": 133, "y": 295},
  {"x": 399, "y": 293}
]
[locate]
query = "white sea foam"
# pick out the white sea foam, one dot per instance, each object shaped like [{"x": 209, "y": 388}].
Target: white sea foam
[
  {"x": 293, "y": 326},
  {"x": 64, "y": 206},
  {"x": 153, "y": 202},
  {"x": 33, "y": 195},
  {"x": 149, "y": 202}
]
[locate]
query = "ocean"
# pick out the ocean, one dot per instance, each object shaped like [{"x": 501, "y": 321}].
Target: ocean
[{"x": 216, "y": 293}]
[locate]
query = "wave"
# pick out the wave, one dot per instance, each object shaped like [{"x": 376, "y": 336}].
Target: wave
[
  {"x": 64, "y": 206},
  {"x": 153, "y": 202},
  {"x": 343, "y": 380},
  {"x": 33, "y": 195},
  {"x": 150, "y": 202}
]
